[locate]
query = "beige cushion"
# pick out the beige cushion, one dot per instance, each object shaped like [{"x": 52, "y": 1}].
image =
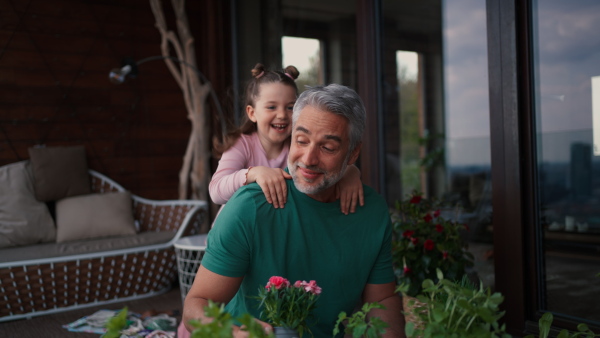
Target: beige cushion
[
  {"x": 23, "y": 219},
  {"x": 59, "y": 172},
  {"x": 94, "y": 216},
  {"x": 85, "y": 246}
]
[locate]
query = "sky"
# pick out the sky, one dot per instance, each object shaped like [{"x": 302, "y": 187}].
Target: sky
[
  {"x": 566, "y": 58},
  {"x": 465, "y": 69}
]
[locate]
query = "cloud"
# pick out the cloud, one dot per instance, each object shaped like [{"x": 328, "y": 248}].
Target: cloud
[{"x": 465, "y": 70}]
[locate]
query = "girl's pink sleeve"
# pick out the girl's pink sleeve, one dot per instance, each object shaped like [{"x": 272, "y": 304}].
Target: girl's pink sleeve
[{"x": 230, "y": 174}]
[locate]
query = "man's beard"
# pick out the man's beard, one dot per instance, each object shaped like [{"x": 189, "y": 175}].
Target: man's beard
[{"x": 327, "y": 179}]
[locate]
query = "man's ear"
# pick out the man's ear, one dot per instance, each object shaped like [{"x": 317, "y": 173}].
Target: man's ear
[
  {"x": 250, "y": 113},
  {"x": 354, "y": 156}
]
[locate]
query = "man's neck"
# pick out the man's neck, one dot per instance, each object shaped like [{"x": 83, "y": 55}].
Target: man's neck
[{"x": 325, "y": 196}]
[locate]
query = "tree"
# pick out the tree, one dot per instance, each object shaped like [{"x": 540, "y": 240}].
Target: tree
[{"x": 195, "y": 171}]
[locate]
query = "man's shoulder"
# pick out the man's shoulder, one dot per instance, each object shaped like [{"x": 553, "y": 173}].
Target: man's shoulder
[
  {"x": 246, "y": 193},
  {"x": 248, "y": 190},
  {"x": 373, "y": 196}
]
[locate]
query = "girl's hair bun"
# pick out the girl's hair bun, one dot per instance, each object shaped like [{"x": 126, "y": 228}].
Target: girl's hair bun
[
  {"x": 292, "y": 72},
  {"x": 258, "y": 70}
]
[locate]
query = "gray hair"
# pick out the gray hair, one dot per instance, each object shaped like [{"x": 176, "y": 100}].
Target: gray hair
[{"x": 337, "y": 99}]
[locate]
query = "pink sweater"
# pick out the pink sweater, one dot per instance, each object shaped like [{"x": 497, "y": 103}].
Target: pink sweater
[{"x": 233, "y": 166}]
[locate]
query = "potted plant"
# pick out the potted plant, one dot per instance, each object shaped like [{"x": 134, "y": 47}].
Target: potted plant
[
  {"x": 288, "y": 307},
  {"x": 424, "y": 241},
  {"x": 456, "y": 309},
  {"x": 358, "y": 325}
]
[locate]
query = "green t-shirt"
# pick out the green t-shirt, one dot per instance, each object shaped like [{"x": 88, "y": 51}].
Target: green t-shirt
[{"x": 305, "y": 240}]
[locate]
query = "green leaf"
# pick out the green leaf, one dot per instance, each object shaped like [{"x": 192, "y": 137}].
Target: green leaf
[
  {"x": 359, "y": 329},
  {"x": 545, "y": 322},
  {"x": 439, "y": 273},
  {"x": 428, "y": 283},
  {"x": 438, "y": 314},
  {"x": 116, "y": 324},
  {"x": 409, "y": 329}
]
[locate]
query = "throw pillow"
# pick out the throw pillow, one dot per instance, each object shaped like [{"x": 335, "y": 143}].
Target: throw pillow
[
  {"x": 59, "y": 172},
  {"x": 94, "y": 215},
  {"x": 23, "y": 219}
]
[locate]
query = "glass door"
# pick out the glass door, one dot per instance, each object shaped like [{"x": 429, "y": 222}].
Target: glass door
[{"x": 436, "y": 112}]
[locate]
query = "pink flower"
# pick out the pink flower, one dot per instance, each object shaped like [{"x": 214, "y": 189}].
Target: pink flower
[
  {"x": 429, "y": 245},
  {"x": 436, "y": 213},
  {"x": 407, "y": 270},
  {"x": 312, "y": 287},
  {"x": 414, "y": 240},
  {"x": 277, "y": 282},
  {"x": 445, "y": 254},
  {"x": 439, "y": 228},
  {"x": 407, "y": 233},
  {"x": 427, "y": 218},
  {"x": 416, "y": 199}
]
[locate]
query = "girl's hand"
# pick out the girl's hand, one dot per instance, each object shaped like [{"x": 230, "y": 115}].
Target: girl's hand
[
  {"x": 349, "y": 190},
  {"x": 272, "y": 182}
]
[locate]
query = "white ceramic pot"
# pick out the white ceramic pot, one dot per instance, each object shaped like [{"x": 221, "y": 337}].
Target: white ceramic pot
[{"x": 284, "y": 332}]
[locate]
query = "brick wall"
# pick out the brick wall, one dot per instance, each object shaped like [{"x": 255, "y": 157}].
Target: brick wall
[{"x": 55, "y": 56}]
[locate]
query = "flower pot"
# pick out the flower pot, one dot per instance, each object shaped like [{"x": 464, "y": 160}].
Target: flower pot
[
  {"x": 284, "y": 332},
  {"x": 410, "y": 304}
]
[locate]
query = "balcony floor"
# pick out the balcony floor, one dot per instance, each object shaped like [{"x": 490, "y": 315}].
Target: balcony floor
[{"x": 51, "y": 325}]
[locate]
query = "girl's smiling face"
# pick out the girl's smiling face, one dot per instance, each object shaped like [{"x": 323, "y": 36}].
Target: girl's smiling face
[{"x": 272, "y": 113}]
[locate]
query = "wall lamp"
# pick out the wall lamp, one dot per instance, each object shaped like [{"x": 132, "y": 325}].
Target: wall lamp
[{"x": 129, "y": 69}]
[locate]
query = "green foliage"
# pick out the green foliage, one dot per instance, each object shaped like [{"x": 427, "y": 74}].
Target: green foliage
[
  {"x": 358, "y": 325},
  {"x": 435, "y": 155},
  {"x": 115, "y": 324},
  {"x": 222, "y": 324},
  {"x": 424, "y": 242},
  {"x": 545, "y": 323},
  {"x": 456, "y": 309}
]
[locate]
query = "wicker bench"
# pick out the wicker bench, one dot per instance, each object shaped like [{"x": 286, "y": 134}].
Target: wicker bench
[{"x": 43, "y": 285}]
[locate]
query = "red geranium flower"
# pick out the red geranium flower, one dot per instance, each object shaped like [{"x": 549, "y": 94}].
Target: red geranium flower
[
  {"x": 429, "y": 245},
  {"x": 416, "y": 199},
  {"x": 425, "y": 240}
]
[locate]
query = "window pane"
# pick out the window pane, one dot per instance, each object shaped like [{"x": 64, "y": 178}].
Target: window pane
[
  {"x": 272, "y": 31},
  {"x": 305, "y": 55},
  {"x": 567, "y": 99},
  {"x": 333, "y": 24},
  {"x": 436, "y": 116}
]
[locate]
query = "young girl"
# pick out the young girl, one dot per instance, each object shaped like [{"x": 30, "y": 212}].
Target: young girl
[{"x": 258, "y": 150}]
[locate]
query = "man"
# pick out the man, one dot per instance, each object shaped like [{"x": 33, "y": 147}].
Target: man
[{"x": 349, "y": 256}]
